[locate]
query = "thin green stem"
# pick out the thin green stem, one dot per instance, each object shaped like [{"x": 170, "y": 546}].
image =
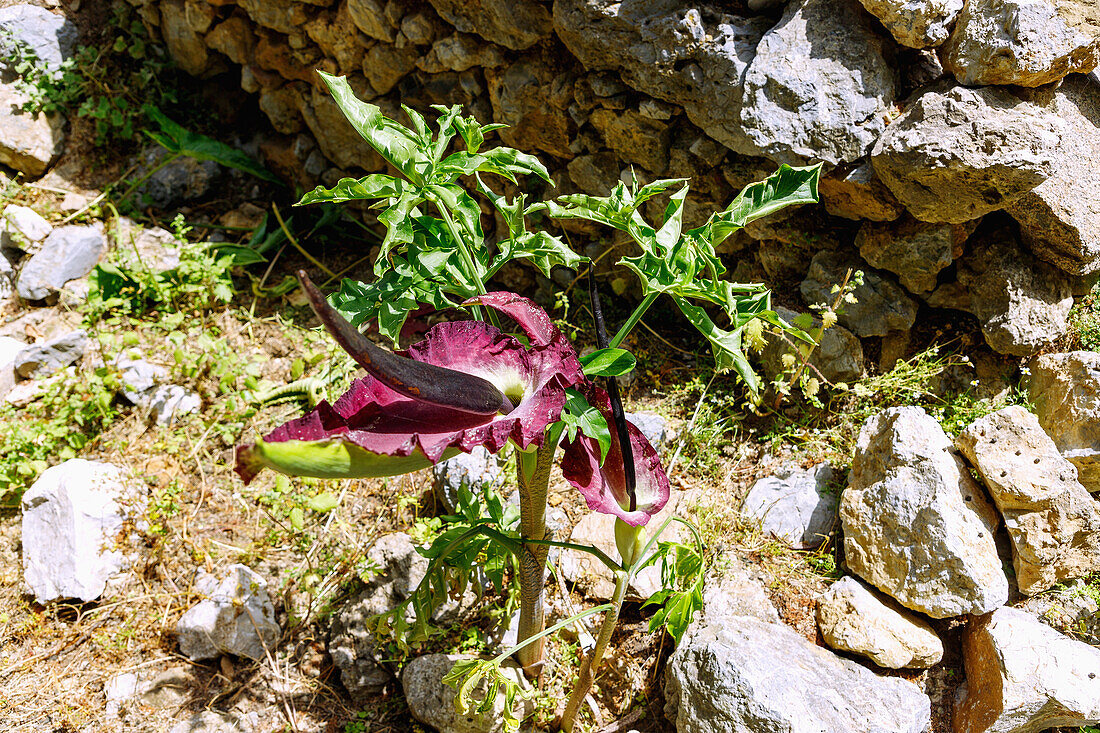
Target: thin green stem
[
  {"x": 294, "y": 242},
  {"x": 592, "y": 661},
  {"x": 555, "y": 628},
  {"x": 467, "y": 260},
  {"x": 533, "y": 474},
  {"x": 636, "y": 316}
]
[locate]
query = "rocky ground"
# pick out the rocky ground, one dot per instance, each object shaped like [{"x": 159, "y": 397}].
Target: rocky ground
[{"x": 916, "y": 547}]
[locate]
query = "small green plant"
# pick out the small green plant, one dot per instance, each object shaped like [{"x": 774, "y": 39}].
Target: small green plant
[{"x": 1084, "y": 321}]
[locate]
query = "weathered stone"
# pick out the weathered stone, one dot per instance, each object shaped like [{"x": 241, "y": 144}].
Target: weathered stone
[
  {"x": 653, "y": 426},
  {"x": 796, "y": 506},
  {"x": 635, "y": 138},
  {"x": 880, "y": 307},
  {"x": 748, "y": 675},
  {"x": 181, "y": 180},
  {"x": 1023, "y": 677},
  {"x": 855, "y": 618},
  {"x": 1069, "y": 609},
  {"x": 234, "y": 38},
  {"x": 51, "y": 38},
  {"x": 337, "y": 37},
  {"x": 9, "y": 351},
  {"x": 1023, "y": 42},
  {"x": 514, "y": 24},
  {"x": 29, "y": 143},
  {"x": 820, "y": 85},
  {"x": 838, "y": 356},
  {"x": 200, "y": 15},
  {"x": 169, "y": 402},
  {"x": 1021, "y": 302},
  {"x": 458, "y": 52},
  {"x": 518, "y": 102},
  {"x": 469, "y": 471},
  {"x": 370, "y": 17},
  {"x": 72, "y": 517},
  {"x": 916, "y": 23},
  {"x": 1065, "y": 392},
  {"x": 678, "y": 54},
  {"x": 209, "y": 721},
  {"x": 22, "y": 227},
  {"x": 385, "y": 65},
  {"x": 433, "y": 703},
  {"x": 916, "y": 525},
  {"x": 282, "y": 105},
  {"x": 69, "y": 252},
  {"x": 355, "y": 651},
  {"x": 284, "y": 16},
  {"x": 1052, "y": 521},
  {"x": 155, "y": 249},
  {"x": 1060, "y": 218},
  {"x": 955, "y": 154},
  {"x": 237, "y": 617},
  {"x": 915, "y": 251},
  {"x": 184, "y": 44},
  {"x": 43, "y": 359},
  {"x": 859, "y": 194},
  {"x": 338, "y": 139}
]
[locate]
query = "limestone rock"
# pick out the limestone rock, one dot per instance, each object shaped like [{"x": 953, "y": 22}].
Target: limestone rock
[
  {"x": 9, "y": 351},
  {"x": 1060, "y": 218},
  {"x": 22, "y": 227},
  {"x": 69, "y": 252},
  {"x": 355, "y": 651},
  {"x": 1023, "y": 677},
  {"x": 29, "y": 143},
  {"x": 1023, "y": 42},
  {"x": 370, "y": 17},
  {"x": 796, "y": 506},
  {"x": 284, "y": 16},
  {"x": 1052, "y": 521},
  {"x": 635, "y": 138},
  {"x": 748, "y": 675},
  {"x": 690, "y": 56},
  {"x": 916, "y": 525},
  {"x": 385, "y": 65},
  {"x": 210, "y": 721},
  {"x": 820, "y": 85},
  {"x": 653, "y": 426},
  {"x": 184, "y": 44},
  {"x": 854, "y": 618},
  {"x": 859, "y": 194},
  {"x": 517, "y": 24},
  {"x": 237, "y": 617},
  {"x": 1069, "y": 609},
  {"x": 518, "y": 102},
  {"x": 915, "y": 251},
  {"x": 1021, "y": 302},
  {"x": 880, "y": 307},
  {"x": 459, "y": 52},
  {"x": 467, "y": 471},
  {"x": 234, "y": 38},
  {"x": 181, "y": 180},
  {"x": 1065, "y": 391},
  {"x": 337, "y": 138},
  {"x": 916, "y": 23},
  {"x": 168, "y": 402},
  {"x": 43, "y": 359},
  {"x": 72, "y": 518},
  {"x": 50, "y": 37},
  {"x": 731, "y": 590},
  {"x": 156, "y": 248},
  {"x": 433, "y": 703},
  {"x": 955, "y": 154}
]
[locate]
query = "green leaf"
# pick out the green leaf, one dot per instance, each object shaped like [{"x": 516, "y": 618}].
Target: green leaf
[
  {"x": 177, "y": 139},
  {"x": 725, "y": 345},
  {"x": 390, "y": 139},
  {"x": 297, "y": 518},
  {"x": 608, "y": 363},
  {"x": 786, "y": 187},
  {"x": 579, "y": 415},
  {"x": 374, "y": 186},
  {"x": 324, "y": 502},
  {"x": 542, "y": 249},
  {"x": 242, "y": 254}
]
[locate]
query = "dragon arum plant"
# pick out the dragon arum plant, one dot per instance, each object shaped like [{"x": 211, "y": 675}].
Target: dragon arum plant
[{"x": 470, "y": 383}]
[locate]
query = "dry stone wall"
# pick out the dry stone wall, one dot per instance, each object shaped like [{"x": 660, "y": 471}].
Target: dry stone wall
[{"x": 961, "y": 139}]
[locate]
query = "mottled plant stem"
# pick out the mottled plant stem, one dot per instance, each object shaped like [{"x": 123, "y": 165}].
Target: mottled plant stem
[
  {"x": 592, "y": 661},
  {"x": 533, "y": 472}
]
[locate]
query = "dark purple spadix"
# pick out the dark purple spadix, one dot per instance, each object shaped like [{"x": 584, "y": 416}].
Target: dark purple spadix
[{"x": 419, "y": 380}]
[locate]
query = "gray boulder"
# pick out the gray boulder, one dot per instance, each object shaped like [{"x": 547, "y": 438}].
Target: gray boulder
[
  {"x": 916, "y": 525},
  {"x": 1023, "y": 42},
  {"x": 49, "y": 37},
  {"x": 915, "y": 251},
  {"x": 236, "y": 617},
  {"x": 796, "y": 506},
  {"x": 1060, "y": 218},
  {"x": 955, "y": 154},
  {"x": 1052, "y": 521},
  {"x": 1021, "y": 302},
  {"x": 72, "y": 517},
  {"x": 691, "y": 56},
  {"x": 855, "y": 618},
  {"x": 23, "y": 228},
  {"x": 881, "y": 306},
  {"x": 467, "y": 471},
  {"x": 29, "y": 143},
  {"x": 7, "y": 279},
  {"x": 820, "y": 84},
  {"x": 433, "y": 703},
  {"x": 41, "y": 360},
  {"x": 69, "y": 252},
  {"x": 10, "y": 349},
  {"x": 184, "y": 179},
  {"x": 1069, "y": 609},
  {"x": 857, "y": 193},
  {"x": 1064, "y": 389},
  {"x": 916, "y": 23},
  {"x": 1024, "y": 677},
  {"x": 144, "y": 386},
  {"x": 748, "y": 675},
  {"x": 653, "y": 426}
]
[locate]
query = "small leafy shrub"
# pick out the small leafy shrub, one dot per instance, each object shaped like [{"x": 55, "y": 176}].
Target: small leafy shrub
[{"x": 1084, "y": 321}]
